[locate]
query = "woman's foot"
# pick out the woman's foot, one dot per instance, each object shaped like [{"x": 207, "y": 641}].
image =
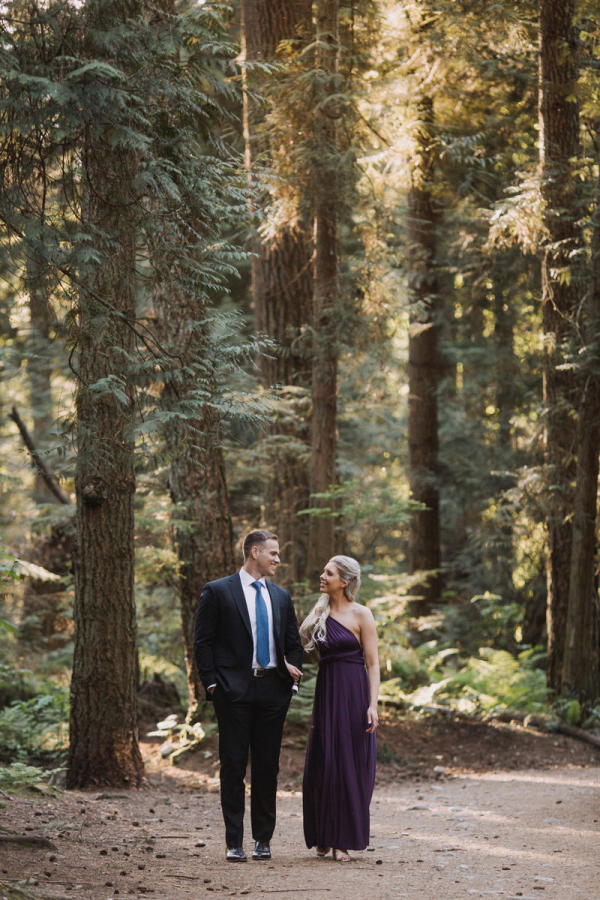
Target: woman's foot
[
  {"x": 342, "y": 856},
  {"x": 323, "y": 851}
]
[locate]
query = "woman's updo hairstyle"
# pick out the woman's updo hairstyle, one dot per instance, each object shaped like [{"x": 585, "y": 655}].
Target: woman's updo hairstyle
[{"x": 349, "y": 571}]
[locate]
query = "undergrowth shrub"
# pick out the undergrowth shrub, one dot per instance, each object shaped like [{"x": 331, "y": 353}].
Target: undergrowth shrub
[{"x": 35, "y": 729}]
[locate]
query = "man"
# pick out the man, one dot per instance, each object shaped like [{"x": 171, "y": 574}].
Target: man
[{"x": 248, "y": 654}]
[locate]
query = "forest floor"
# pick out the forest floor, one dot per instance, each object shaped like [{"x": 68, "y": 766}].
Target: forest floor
[{"x": 515, "y": 814}]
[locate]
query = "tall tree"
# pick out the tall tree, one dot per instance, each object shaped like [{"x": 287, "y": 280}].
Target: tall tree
[
  {"x": 39, "y": 367},
  {"x": 103, "y": 730},
  {"x": 424, "y": 367},
  {"x": 278, "y": 31},
  {"x": 581, "y": 661},
  {"x": 326, "y": 286},
  {"x": 559, "y": 146},
  {"x": 197, "y": 483}
]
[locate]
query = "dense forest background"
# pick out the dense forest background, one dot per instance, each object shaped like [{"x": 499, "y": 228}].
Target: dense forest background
[{"x": 331, "y": 270}]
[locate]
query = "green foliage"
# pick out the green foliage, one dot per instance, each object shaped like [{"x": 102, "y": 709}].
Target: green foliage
[
  {"x": 15, "y": 684},
  {"x": 592, "y": 720},
  {"x": 8, "y": 576},
  {"x": 36, "y": 729},
  {"x": 492, "y": 678},
  {"x": 569, "y": 710},
  {"x": 148, "y": 95},
  {"x": 468, "y": 656},
  {"x": 18, "y": 774}
]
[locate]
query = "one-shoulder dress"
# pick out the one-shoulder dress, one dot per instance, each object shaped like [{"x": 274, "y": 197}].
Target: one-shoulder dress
[{"x": 339, "y": 773}]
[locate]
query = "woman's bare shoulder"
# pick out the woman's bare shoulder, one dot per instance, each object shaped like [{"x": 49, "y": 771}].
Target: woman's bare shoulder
[{"x": 363, "y": 613}]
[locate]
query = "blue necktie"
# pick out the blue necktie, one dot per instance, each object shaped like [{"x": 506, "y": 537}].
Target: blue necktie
[{"x": 263, "y": 655}]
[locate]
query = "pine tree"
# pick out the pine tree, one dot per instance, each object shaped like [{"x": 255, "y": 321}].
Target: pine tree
[
  {"x": 559, "y": 146},
  {"x": 277, "y": 32},
  {"x": 137, "y": 166},
  {"x": 424, "y": 367},
  {"x": 326, "y": 287}
]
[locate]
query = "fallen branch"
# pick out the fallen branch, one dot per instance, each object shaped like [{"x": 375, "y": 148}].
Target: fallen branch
[
  {"x": 5, "y": 795},
  {"x": 39, "y": 463},
  {"x": 32, "y": 840},
  {"x": 580, "y": 734},
  {"x": 165, "y": 836},
  {"x": 545, "y": 723},
  {"x": 527, "y": 719}
]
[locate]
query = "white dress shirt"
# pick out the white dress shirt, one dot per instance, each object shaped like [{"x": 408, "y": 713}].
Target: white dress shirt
[{"x": 250, "y": 595}]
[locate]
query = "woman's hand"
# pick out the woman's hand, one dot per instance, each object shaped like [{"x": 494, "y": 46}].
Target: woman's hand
[{"x": 372, "y": 719}]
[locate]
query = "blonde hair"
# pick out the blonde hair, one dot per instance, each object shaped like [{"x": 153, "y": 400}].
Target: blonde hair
[{"x": 314, "y": 625}]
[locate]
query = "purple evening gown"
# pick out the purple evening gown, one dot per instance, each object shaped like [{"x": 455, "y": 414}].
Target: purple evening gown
[{"x": 339, "y": 774}]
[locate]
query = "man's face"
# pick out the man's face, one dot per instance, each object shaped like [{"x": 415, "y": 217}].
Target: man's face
[{"x": 266, "y": 556}]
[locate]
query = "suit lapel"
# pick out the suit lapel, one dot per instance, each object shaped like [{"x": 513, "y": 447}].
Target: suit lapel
[
  {"x": 237, "y": 591},
  {"x": 275, "y": 606}
]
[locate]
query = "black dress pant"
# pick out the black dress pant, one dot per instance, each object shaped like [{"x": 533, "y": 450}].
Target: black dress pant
[{"x": 254, "y": 723}]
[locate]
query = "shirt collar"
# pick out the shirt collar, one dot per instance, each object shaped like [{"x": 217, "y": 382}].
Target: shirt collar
[{"x": 247, "y": 579}]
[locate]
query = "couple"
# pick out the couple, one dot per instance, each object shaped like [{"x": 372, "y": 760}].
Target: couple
[{"x": 249, "y": 653}]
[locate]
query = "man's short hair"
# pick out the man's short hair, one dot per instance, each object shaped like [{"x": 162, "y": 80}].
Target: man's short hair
[{"x": 255, "y": 538}]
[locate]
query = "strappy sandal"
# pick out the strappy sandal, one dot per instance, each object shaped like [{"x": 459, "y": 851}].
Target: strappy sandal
[
  {"x": 343, "y": 856},
  {"x": 323, "y": 851}
]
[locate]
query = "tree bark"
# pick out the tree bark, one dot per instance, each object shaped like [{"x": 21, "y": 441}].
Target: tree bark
[
  {"x": 581, "y": 661},
  {"x": 197, "y": 483},
  {"x": 424, "y": 369},
  {"x": 104, "y": 746},
  {"x": 559, "y": 144},
  {"x": 39, "y": 369},
  {"x": 282, "y": 291},
  {"x": 507, "y": 368},
  {"x": 326, "y": 294}
]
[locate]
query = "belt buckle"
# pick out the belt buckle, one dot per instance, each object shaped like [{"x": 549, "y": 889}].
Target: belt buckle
[{"x": 258, "y": 673}]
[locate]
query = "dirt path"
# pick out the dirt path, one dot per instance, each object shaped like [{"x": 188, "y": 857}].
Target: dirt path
[{"x": 526, "y": 834}]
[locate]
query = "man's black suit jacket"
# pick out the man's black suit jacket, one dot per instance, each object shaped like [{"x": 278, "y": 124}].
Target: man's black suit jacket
[{"x": 223, "y": 640}]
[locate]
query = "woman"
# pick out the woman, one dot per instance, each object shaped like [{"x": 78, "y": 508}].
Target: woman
[{"x": 339, "y": 774}]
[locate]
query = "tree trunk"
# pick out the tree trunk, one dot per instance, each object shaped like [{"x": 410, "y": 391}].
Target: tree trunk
[
  {"x": 326, "y": 294},
  {"x": 580, "y": 673},
  {"x": 205, "y": 540},
  {"x": 581, "y": 662},
  {"x": 559, "y": 144},
  {"x": 507, "y": 368},
  {"x": 39, "y": 369},
  {"x": 282, "y": 290},
  {"x": 424, "y": 369},
  {"x": 104, "y": 746},
  {"x": 197, "y": 484}
]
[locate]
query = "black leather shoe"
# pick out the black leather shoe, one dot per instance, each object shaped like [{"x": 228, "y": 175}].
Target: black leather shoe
[
  {"x": 261, "y": 850},
  {"x": 236, "y": 854}
]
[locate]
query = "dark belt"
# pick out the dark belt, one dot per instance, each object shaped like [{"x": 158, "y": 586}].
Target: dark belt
[{"x": 262, "y": 673}]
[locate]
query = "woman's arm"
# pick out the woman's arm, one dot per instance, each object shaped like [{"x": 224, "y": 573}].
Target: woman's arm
[{"x": 368, "y": 636}]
